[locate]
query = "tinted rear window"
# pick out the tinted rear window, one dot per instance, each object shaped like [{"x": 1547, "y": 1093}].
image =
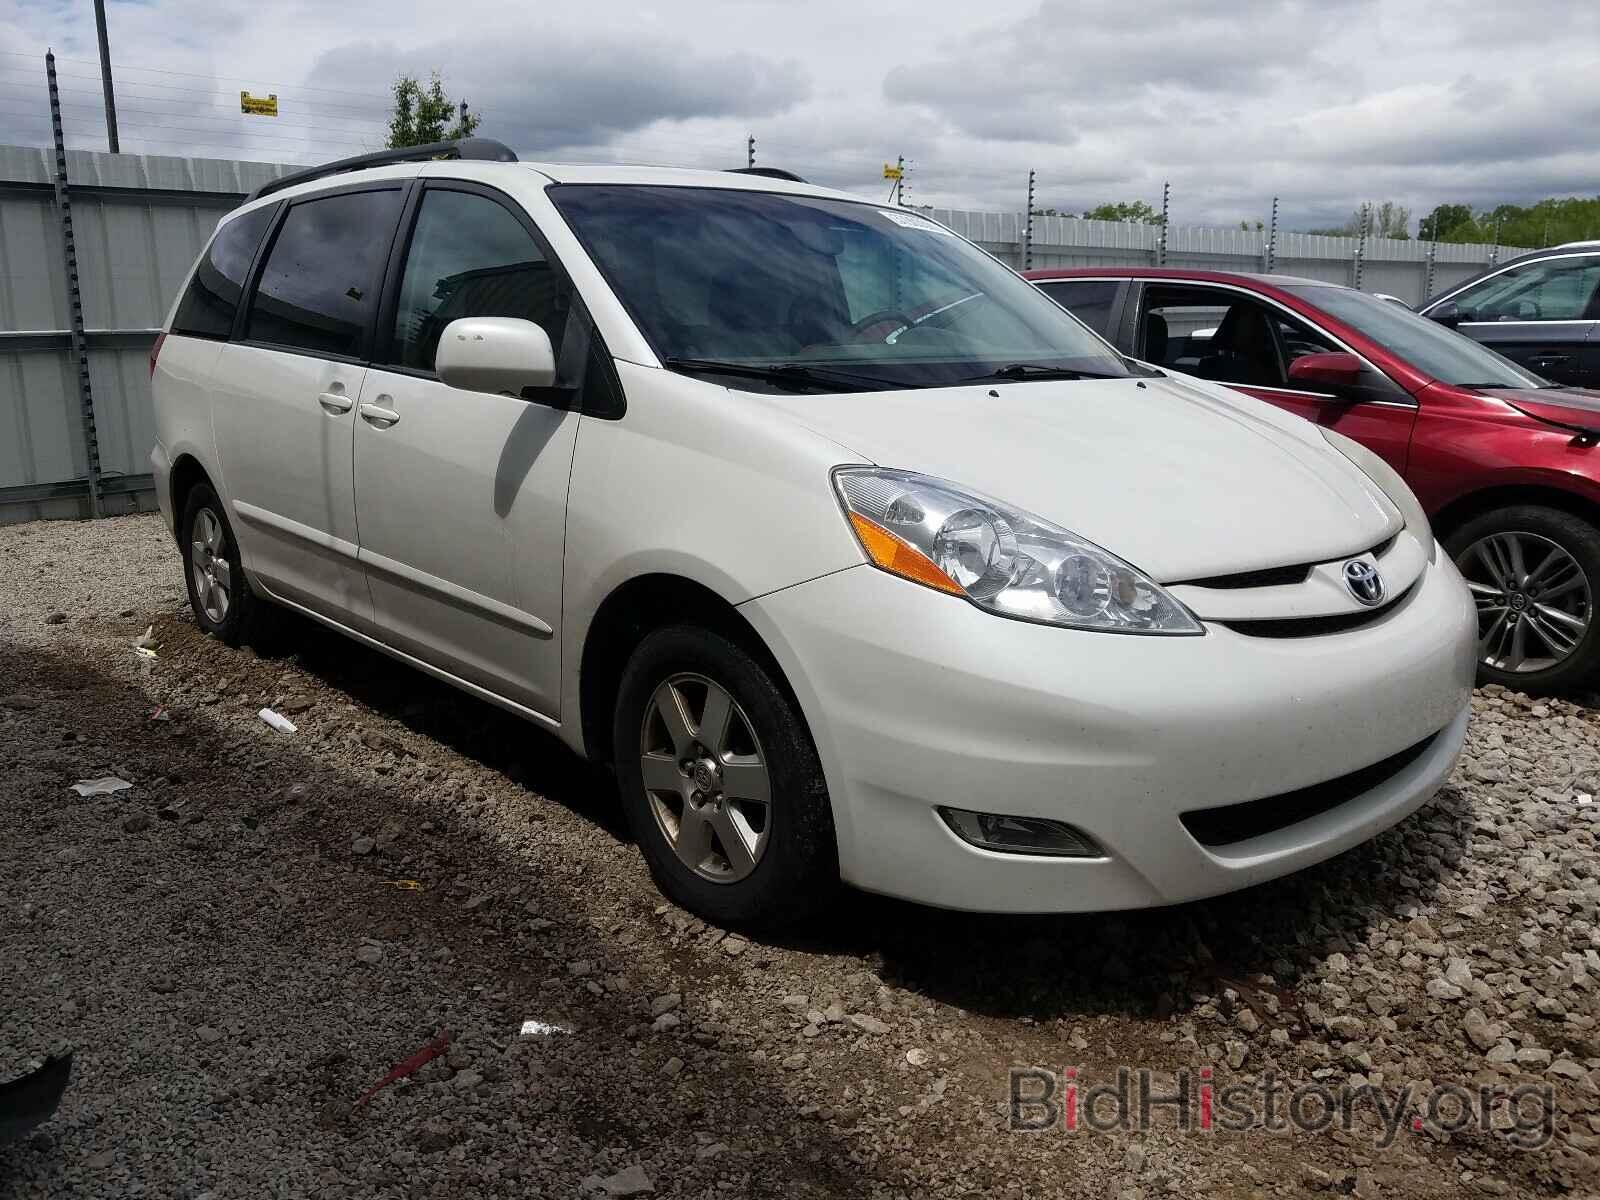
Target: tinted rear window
[
  {"x": 320, "y": 285},
  {"x": 1089, "y": 300},
  {"x": 212, "y": 298}
]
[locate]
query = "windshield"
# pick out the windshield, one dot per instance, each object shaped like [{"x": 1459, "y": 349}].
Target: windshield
[
  {"x": 789, "y": 291},
  {"x": 1448, "y": 356}
]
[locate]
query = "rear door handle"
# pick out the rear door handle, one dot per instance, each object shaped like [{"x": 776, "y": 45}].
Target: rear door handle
[
  {"x": 336, "y": 402},
  {"x": 1548, "y": 360},
  {"x": 376, "y": 416}
]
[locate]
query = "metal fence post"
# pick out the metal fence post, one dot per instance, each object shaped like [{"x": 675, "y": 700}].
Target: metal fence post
[
  {"x": 1427, "y": 283},
  {"x": 69, "y": 251},
  {"x": 1361, "y": 245},
  {"x": 1027, "y": 230},
  {"x": 1161, "y": 243},
  {"x": 1272, "y": 240}
]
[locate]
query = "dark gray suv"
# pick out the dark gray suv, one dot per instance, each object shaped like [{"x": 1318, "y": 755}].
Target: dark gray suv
[{"x": 1540, "y": 309}]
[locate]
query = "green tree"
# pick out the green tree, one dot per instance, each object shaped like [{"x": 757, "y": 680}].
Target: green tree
[
  {"x": 1442, "y": 223},
  {"x": 1134, "y": 211},
  {"x": 1386, "y": 220},
  {"x": 425, "y": 114}
]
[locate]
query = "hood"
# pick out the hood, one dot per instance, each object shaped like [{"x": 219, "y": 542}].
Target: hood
[
  {"x": 1574, "y": 408},
  {"x": 1183, "y": 479}
]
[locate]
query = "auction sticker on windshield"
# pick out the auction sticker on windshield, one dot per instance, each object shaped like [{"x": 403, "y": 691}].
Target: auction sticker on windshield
[{"x": 912, "y": 221}]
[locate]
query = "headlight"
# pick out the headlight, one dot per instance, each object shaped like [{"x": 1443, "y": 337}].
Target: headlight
[
  {"x": 1389, "y": 482},
  {"x": 998, "y": 557}
]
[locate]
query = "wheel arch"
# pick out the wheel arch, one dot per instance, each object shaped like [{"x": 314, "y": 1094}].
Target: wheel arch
[
  {"x": 629, "y": 614},
  {"x": 1475, "y": 504},
  {"x": 187, "y": 473}
]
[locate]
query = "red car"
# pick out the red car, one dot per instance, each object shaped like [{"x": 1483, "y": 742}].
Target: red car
[{"x": 1506, "y": 463}]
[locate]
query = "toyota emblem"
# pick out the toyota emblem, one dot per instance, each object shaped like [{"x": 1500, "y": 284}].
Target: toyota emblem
[{"x": 1364, "y": 582}]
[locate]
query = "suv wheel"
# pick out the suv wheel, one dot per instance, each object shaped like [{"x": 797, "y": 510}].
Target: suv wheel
[
  {"x": 1534, "y": 573},
  {"x": 720, "y": 782},
  {"x": 223, "y": 604}
]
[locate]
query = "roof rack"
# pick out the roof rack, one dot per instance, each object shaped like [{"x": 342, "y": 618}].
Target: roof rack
[
  {"x": 766, "y": 173},
  {"x": 479, "y": 149}
]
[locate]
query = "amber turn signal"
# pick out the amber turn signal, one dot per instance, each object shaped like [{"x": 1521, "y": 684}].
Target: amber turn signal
[{"x": 899, "y": 557}]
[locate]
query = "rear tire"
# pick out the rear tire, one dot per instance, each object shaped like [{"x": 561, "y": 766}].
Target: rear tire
[
  {"x": 711, "y": 842},
  {"x": 1535, "y": 574},
  {"x": 223, "y": 604}
]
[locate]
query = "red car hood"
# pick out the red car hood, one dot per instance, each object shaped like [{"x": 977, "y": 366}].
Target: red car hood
[{"x": 1573, "y": 408}]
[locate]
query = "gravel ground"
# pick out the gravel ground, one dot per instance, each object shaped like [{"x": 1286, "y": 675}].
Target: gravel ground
[{"x": 229, "y": 947}]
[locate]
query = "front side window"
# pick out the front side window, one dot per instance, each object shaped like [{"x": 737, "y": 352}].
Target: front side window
[
  {"x": 320, "y": 284},
  {"x": 470, "y": 257},
  {"x": 212, "y": 298},
  {"x": 1551, "y": 289},
  {"x": 1224, "y": 336},
  {"x": 871, "y": 296},
  {"x": 1090, "y": 300},
  {"x": 1426, "y": 345}
]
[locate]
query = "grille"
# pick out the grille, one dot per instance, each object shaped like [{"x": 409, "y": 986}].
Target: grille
[
  {"x": 1273, "y": 576},
  {"x": 1298, "y": 627},
  {"x": 1234, "y": 823}
]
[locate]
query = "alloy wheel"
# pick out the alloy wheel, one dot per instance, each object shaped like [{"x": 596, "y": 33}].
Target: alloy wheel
[
  {"x": 208, "y": 563},
  {"x": 1533, "y": 599},
  {"x": 706, "y": 778}
]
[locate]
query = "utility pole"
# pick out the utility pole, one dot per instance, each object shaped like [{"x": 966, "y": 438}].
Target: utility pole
[
  {"x": 461, "y": 119},
  {"x": 1161, "y": 244},
  {"x": 1027, "y": 234},
  {"x": 1272, "y": 237},
  {"x": 105, "y": 76},
  {"x": 750, "y": 151},
  {"x": 899, "y": 178}
]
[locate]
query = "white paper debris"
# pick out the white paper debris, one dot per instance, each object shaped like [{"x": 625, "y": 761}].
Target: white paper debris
[
  {"x": 277, "y": 720},
  {"x": 103, "y": 786},
  {"x": 533, "y": 1028},
  {"x": 1585, "y": 798}
]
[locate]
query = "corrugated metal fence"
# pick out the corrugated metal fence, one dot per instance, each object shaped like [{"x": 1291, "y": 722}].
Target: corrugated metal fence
[
  {"x": 140, "y": 220},
  {"x": 1411, "y": 270}
]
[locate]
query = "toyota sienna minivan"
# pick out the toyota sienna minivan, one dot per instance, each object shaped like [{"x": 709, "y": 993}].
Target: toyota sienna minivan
[{"x": 855, "y": 555}]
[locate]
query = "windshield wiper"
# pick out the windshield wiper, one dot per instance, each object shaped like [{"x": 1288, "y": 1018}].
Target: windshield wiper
[
  {"x": 1021, "y": 371},
  {"x": 783, "y": 374}
]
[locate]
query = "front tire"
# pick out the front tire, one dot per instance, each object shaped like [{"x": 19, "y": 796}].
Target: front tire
[
  {"x": 721, "y": 784},
  {"x": 223, "y": 604},
  {"x": 1534, "y": 573}
]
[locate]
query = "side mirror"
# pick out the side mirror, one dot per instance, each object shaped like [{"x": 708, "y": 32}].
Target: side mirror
[
  {"x": 495, "y": 354},
  {"x": 1447, "y": 314},
  {"x": 1329, "y": 370}
]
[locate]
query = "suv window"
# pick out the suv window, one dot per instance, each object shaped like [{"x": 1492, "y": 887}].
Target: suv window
[
  {"x": 470, "y": 257},
  {"x": 320, "y": 284},
  {"x": 212, "y": 298},
  {"x": 1090, "y": 300},
  {"x": 1551, "y": 289}
]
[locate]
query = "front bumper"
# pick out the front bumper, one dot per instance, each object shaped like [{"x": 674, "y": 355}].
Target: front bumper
[{"x": 916, "y": 699}]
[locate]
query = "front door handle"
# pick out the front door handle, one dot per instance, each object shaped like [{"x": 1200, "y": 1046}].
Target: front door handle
[
  {"x": 335, "y": 402},
  {"x": 1548, "y": 360},
  {"x": 377, "y": 416}
]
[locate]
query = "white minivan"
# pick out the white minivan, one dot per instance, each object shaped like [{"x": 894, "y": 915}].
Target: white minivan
[{"x": 857, "y": 556}]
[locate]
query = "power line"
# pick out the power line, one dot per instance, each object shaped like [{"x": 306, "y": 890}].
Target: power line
[{"x": 254, "y": 80}]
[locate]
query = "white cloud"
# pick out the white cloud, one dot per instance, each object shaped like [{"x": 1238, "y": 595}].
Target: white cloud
[{"x": 1324, "y": 104}]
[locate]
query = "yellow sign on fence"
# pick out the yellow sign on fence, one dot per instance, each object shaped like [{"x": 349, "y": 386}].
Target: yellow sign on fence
[{"x": 259, "y": 106}]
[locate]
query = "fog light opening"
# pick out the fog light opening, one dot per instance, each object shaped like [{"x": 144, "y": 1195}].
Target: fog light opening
[{"x": 1019, "y": 835}]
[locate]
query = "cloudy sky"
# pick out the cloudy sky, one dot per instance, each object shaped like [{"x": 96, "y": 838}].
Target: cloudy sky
[{"x": 1324, "y": 104}]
